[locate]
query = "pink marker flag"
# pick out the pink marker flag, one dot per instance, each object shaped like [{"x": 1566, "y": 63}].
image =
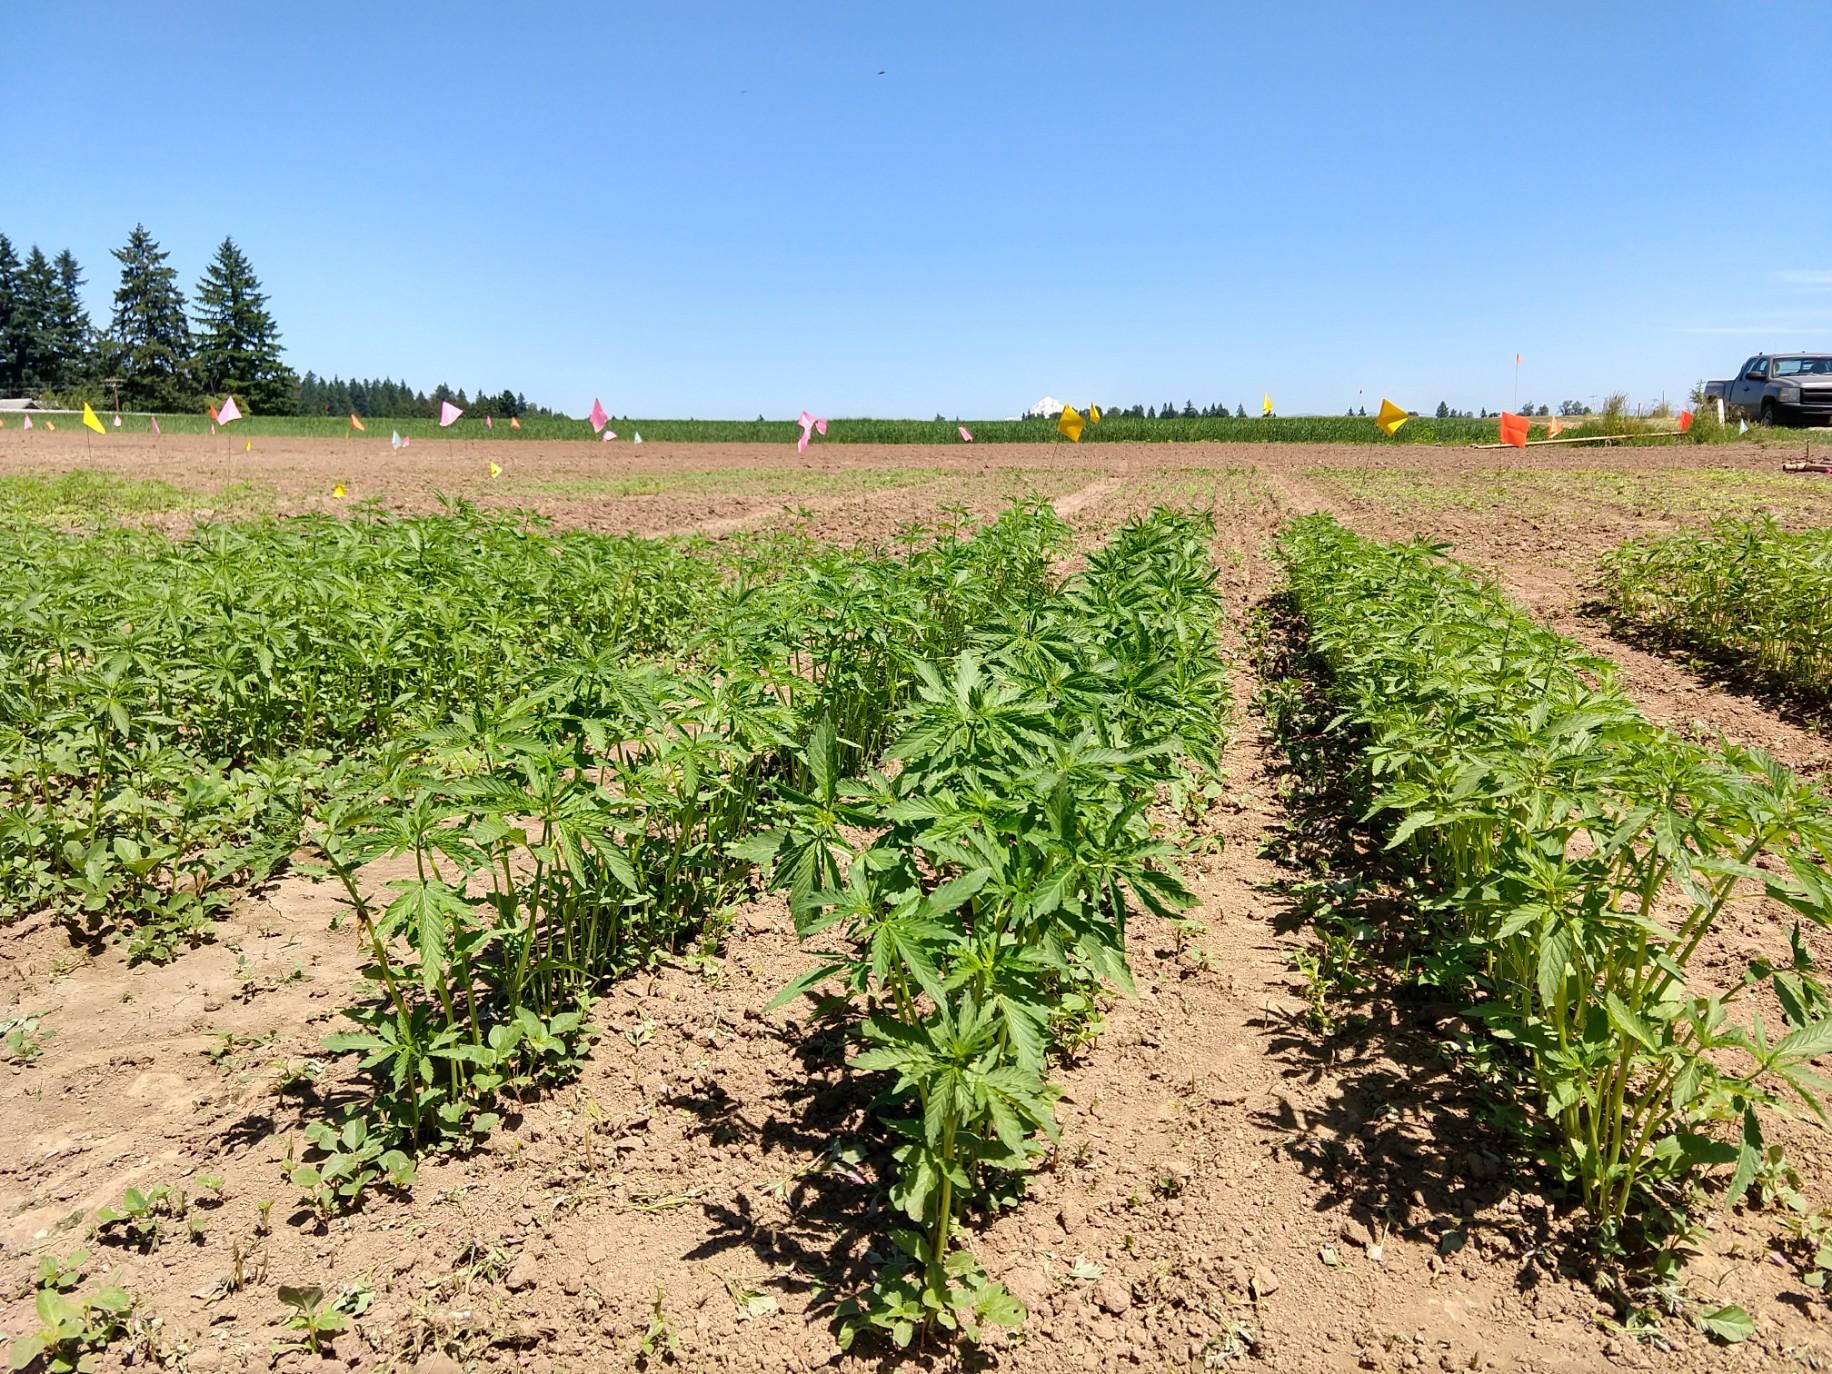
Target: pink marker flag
[
  {"x": 609, "y": 435},
  {"x": 488, "y": 423},
  {"x": 598, "y": 416},
  {"x": 406, "y": 442},
  {"x": 155, "y": 424},
  {"x": 448, "y": 413},
  {"x": 966, "y": 435},
  {"x": 808, "y": 425},
  {"x": 28, "y": 422},
  {"x": 228, "y": 411}
]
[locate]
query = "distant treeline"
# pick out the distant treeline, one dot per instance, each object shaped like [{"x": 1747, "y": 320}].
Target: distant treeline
[{"x": 159, "y": 352}]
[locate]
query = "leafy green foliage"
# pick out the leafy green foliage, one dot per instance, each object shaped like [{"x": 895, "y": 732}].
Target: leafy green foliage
[
  {"x": 1748, "y": 595},
  {"x": 72, "y": 1332},
  {"x": 1584, "y": 856},
  {"x": 988, "y": 909}
]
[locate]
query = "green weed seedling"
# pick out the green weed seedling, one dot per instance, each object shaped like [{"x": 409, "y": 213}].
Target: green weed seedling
[
  {"x": 62, "y": 1273},
  {"x": 22, "y": 1039},
  {"x": 311, "y": 1314},
  {"x": 140, "y": 1217},
  {"x": 349, "y": 1159},
  {"x": 72, "y": 1334}
]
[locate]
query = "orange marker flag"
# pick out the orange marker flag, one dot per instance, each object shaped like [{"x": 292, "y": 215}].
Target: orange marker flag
[
  {"x": 1514, "y": 429},
  {"x": 1069, "y": 424},
  {"x": 355, "y": 424},
  {"x": 212, "y": 417},
  {"x": 1391, "y": 417},
  {"x": 514, "y": 423},
  {"x": 1556, "y": 428},
  {"x": 1685, "y": 421}
]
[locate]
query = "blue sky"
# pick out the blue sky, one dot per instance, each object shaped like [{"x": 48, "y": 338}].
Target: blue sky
[{"x": 722, "y": 209}]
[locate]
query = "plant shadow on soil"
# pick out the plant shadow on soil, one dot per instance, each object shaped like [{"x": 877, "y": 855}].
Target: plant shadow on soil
[
  {"x": 1420, "y": 1137},
  {"x": 833, "y": 1203}
]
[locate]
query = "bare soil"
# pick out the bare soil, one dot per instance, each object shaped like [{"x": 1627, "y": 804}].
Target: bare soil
[{"x": 1234, "y": 1188}]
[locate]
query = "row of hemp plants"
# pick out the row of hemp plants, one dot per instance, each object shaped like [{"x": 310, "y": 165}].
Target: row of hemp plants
[
  {"x": 1583, "y": 857},
  {"x": 563, "y": 836},
  {"x": 971, "y": 896},
  {"x": 1749, "y": 596}
]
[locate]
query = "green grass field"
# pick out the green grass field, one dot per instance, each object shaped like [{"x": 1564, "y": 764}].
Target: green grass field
[{"x": 1301, "y": 429}]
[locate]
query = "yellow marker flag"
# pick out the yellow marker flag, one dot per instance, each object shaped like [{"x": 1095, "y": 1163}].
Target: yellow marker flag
[
  {"x": 1391, "y": 417},
  {"x": 495, "y": 471},
  {"x": 51, "y": 425},
  {"x": 1094, "y": 412},
  {"x": 1069, "y": 424},
  {"x": 338, "y": 491},
  {"x": 248, "y": 447},
  {"x": 1266, "y": 403},
  {"x": 90, "y": 421},
  {"x": 356, "y": 423}
]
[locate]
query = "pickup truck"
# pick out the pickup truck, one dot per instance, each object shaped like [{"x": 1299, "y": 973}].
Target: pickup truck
[{"x": 1779, "y": 389}]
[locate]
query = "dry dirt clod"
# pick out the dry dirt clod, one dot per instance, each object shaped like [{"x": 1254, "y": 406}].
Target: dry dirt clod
[
  {"x": 522, "y": 1275},
  {"x": 437, "y": 1362},
  {"x": 1113, "y": 1295},
  {"x": 1265, "y": 1282},
  {"x": 1355, "y": 1233}
]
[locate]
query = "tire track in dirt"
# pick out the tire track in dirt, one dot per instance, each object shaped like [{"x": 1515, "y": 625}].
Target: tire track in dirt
[{"x": 1071, "y": 502}]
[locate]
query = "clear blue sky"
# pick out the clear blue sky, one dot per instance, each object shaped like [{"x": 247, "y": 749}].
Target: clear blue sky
[{"x": 722, "y": 209}]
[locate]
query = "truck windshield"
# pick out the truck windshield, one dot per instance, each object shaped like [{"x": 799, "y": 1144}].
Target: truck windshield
[{"x": 1797, "y": 367}]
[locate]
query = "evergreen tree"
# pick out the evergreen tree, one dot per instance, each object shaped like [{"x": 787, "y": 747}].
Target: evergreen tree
[
  {"x": 238, "y": 343},
  {"x": 1443, "y": 410},
  {"x": 74, "y": 335},
  {"x": 34, "y": 346},
  {"x": 151, "y": 341},
  {"x": 1240, "y": 412},
  {"x": 9, "y": 306}
]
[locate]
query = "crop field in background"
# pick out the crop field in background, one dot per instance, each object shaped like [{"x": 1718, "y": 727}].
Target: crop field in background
[
  {"x": 1186, "y": 905},
  {"x": 1295, "y": 429}
]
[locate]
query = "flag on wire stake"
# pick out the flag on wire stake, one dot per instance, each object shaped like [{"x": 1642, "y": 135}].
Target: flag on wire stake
[
  {"x": 1093, "y": 412},
  {"x": 966, "y": 435},
  {"x": 448, "y": 414},
  {"x": 1391, "y": 417},
  {"x": 156, "y": 430},
  {"x": 28, "y": 422},
  {"x": 809, "y": 424},
  {"x": 607, "y": 436},
  {"x": 1685, "y": 421},
  {"x": 1514, "y": 429},
  {"x": 90, "y": 421},
  {"x": 356, "y": 424},
  {"x": 1069, "y": 424},
  {"x": 117, "y": 419},
  {"x": 635, "y": 438},
  {"x": 1742, "y": 425},
  {"x": 337, "y": 492},
  {"x": 489, "y": 423},
  {"x": 495, "y": 471},
  {"x": 598, "y": 417},
  {"x": 395, "y": 440},
  {"x": 228, "y": 411},
  {"x": 1556, "y": 428},
  {"x": 514, "y": 423},
  {"x": 1265, "y": 404}
]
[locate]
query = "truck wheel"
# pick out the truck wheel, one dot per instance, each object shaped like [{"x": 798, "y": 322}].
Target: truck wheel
[{"x": 1768, "y": 417}]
